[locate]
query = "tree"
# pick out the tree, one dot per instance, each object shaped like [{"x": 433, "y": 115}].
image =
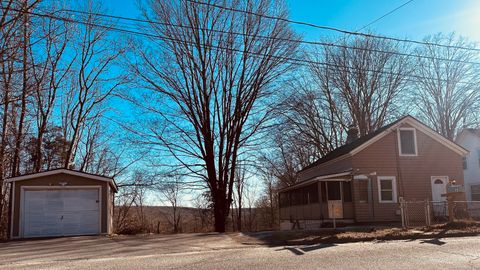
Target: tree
[
  {"x": 360, "y": 83},
  {"x": 13, "y": 38},
  {"x": 212, "y": 73},
  {"x": 171, "y": 191},
  {"x": 48, "y": 75},
  {"x": 93, "y": 81},
  {"x": 448, "y": 92}
]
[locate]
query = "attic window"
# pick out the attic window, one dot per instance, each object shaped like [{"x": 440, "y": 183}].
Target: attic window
[{"x": 407, "y": 141}]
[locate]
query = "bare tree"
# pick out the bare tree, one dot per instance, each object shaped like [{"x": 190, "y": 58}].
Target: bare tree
[
  {"x": 363, "y": 77},
  {"x": 239, "y": 186},
  {"x": 172, "y": 192},
  {"x": 448, "y": 86},
  {"x": 211, "y": 72},
  {"x": 92, "y": 83},
  {"x": 131, "y": 195},
  {"x": 13, "y": 37},
  {"x": 48, "y": 75}
]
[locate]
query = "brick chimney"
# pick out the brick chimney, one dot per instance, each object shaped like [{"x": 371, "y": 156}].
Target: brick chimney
[{"x": 352, "y": 133}]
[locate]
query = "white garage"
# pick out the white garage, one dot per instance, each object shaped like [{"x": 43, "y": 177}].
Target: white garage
[
  {"x": 61, "y": 203},
  {"x": 61, "y": 212}
]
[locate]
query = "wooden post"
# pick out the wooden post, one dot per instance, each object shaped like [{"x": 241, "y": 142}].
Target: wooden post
[
  {"x": 334, "y": 216},
  {"x": 427, "y": 213}
]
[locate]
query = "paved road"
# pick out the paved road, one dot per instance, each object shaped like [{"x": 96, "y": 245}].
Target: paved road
[{"x": 213, "y": 251}]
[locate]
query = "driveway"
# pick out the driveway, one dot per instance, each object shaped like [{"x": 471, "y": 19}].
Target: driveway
[{"x": 216, "y": 251}]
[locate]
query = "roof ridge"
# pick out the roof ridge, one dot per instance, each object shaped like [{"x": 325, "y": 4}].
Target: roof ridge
[{"x": 337, "y": 152}]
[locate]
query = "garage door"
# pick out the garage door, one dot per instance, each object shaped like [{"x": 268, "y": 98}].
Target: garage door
[{"x": 60, "y": 212}]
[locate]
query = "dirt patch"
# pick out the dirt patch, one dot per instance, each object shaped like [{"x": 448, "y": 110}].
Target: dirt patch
[{"x": 328, "y": 236}]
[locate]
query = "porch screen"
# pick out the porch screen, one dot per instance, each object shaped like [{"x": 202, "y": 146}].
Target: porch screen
[{"x": 334, "y": 191}]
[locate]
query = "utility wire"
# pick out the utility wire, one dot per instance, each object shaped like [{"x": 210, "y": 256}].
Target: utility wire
[
  {"x": 273, "y": 38},
  {"x": 334, "y": 28},
  {"x": 291, "y": 60},
  {"x": 385, "y": 15}
]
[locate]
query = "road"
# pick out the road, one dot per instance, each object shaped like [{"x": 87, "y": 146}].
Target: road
[{"x": 214, "y": 251}]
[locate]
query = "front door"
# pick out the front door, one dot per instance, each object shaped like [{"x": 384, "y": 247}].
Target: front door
[
  {"x": 334, "y": 197},
  {"x": 439, "y": 188}
]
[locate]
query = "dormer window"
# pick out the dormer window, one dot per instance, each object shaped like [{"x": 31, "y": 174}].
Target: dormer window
[{"x": 407, "y": 142}]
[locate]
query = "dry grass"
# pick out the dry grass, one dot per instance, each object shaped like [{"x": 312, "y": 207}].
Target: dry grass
[{"x": 361, "y": 234}]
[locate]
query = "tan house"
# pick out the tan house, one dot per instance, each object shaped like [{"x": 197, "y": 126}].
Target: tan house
[
  {"x": 60, "y": 202},
  {"x": 363, "y": 180}
]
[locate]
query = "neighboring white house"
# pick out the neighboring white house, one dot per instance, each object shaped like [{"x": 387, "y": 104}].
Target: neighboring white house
[{"x": 469, "y": 139}]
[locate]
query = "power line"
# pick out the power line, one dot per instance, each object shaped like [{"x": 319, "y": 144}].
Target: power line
[
  {"x": 290, "y": 60},
  {"x": 334, "y": 28},
  {"x": 385, "y": 15},
  {"x": 272, "y": 38}
]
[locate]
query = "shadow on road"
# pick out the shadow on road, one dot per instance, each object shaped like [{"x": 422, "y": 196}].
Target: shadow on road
[{"x": 305, "y": 249}]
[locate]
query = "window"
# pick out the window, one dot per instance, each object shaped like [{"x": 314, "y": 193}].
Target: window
[
  {"x": 334, "y": 191},
  {"x": 387, "y": 189},
  {"x": 407, "y": 141},
  {"x": 347, "y": 192},
  {"x": 465, "y": 163},
  {"x": 311, "y": 193},
  {"x": 284, "y": 200},
  {"x": 475, "y": 192}
]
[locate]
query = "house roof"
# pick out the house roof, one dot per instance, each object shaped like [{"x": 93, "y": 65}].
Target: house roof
[
  {"x": 64, "y": 171},
  {"x": 360, "y": 143},
  {"x": 343, "y": 176}
]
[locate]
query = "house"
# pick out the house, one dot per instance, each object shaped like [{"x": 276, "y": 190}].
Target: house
[
  {"x": 363, "y": 180},
  {"x": 469, "y": 138},
  {"x": 60, "y": 202}
]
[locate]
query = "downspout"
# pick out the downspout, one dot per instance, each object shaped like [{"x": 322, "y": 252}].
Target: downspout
[{"x": 370, "y": 197}]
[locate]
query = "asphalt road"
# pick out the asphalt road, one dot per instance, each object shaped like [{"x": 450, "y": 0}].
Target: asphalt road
[{"x": 213, "y": 251}]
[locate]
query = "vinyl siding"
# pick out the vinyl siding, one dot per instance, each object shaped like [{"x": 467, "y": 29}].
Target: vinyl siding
[{"x": 413, "y": 173}]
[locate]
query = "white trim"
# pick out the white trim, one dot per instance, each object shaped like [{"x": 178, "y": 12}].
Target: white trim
[
  {"x": 12, "y": 207},
  {"x": 400, "y": 141},
  {"x": 324, "y": 178},
  {"x": 435, "y": 177},
  {"x": 59, "y": 171},
  {"x": 394, "y": 189},
  {"x": 406, "y": 120},
  {"x": 419, "y": 126},
  {"x": 370, "y": 142},
  {"x": 21, "y": 231}
]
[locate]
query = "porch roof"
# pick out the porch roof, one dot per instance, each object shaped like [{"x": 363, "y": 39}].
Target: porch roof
[{"x": 338, "y": 176}]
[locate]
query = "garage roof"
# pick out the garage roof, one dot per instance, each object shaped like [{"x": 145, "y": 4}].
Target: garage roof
[{"x": 65, "y": 171}]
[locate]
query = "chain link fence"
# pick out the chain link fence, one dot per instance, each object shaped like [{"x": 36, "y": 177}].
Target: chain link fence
[{"x": 427, "y": 213}]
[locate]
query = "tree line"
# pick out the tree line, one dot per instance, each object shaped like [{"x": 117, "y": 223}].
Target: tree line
[{"x": 202, "y": 98}]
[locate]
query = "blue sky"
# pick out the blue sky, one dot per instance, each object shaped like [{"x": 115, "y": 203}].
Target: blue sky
[{"x": 415, "y": 20}]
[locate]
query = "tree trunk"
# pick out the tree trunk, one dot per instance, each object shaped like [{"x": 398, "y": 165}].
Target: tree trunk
[
  {"x": 19, "y": 135},
  {"x": 219, "y": 213},
  {"x": 239, "y": 218}
]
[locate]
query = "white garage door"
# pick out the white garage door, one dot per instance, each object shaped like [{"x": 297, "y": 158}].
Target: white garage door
[{"x": 59, "y": 212}]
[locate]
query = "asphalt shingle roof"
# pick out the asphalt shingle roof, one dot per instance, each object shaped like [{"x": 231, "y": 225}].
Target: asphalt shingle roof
[{"x": 347, "y": 148}]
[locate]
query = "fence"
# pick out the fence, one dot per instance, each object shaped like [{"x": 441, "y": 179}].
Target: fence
[{"x": 427, "y": 213}]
